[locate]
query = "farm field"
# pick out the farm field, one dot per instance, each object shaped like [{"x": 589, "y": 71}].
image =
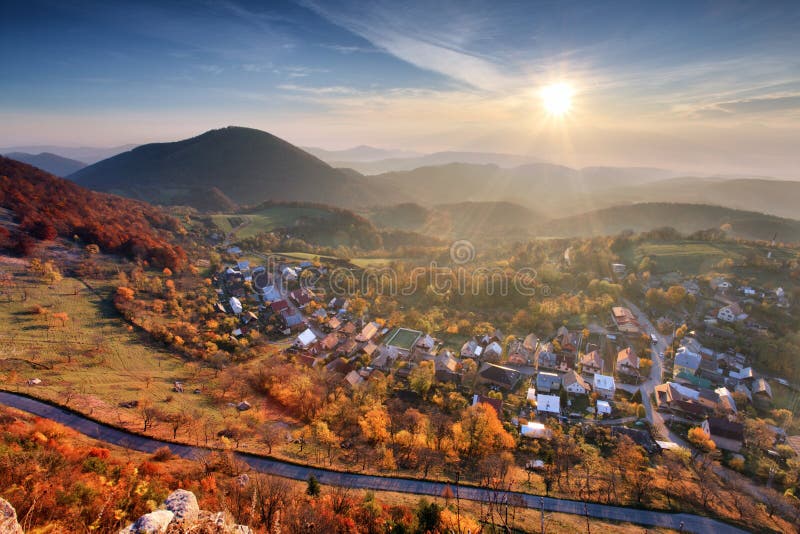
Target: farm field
[{"x": 265, "y": 220}]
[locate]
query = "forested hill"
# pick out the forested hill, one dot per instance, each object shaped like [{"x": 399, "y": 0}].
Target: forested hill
[{"x": 42, "y": 207}]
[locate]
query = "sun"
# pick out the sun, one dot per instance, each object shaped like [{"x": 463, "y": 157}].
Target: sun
[{"x": 557, "y": 98}]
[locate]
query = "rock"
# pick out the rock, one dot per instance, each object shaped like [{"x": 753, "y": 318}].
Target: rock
[
  {"x": 8, "y": 519},
  {"x": 243, "y": 406},
  {"x": 184, "y": 505},
  {"x": 152, "y": 523}
]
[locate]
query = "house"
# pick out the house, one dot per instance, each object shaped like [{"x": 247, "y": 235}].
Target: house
[
  {"x": 236, "y": 305},
  {"x": 306, "y": 338},
  {"x": 546, "y": 357},
  {"x": 426, "y": 343},
  {"x": 726, "y": 401},
  {"x": 603, "y": 408},
  {"x": 502, "y": 377},
  {"x": 279, "y": 305},
  {"x": 548, "y": 382},
  {"x": 762, "y": 393},
  {"x": 628, "y": 362},
  {"x": 292, "y": 320},
  {"x": 719, "y": 284},
  {"x": 329, "y": 342},
  {"x": 731, "y": 313},
  {"x": 550, "y": 404},
  {"x": 497, "y": 404},
  {"x": 568, "y": 341},
  {"x": 492, "y": 352},
  {"x": 368, "y": 332},
  {"x": 368, "y": 348},
  {"x": 531, "y": 342},
  {"x": 592, "y": 363},
  {"x": 289, "y": 274},
  {"x": 354, "y": 379},
  {"x": 518, "y": 353},
  {"x": 625, "y": 320},
  {"x": 604, "y": 386},
  {"x": 334, "y": 323},
  {"x": 301, "y": 297},
  {"x": 535, "y": 430},
  {"x": 575, "y": 384},
  {"x": 347, "y": 348},
  {"x": 471, "y": 349},
  {"x": 685, "y": 361},
  {"x": 446, "y": 368},
  {"x": 270, "y": 294},
  {"x": 726, "y": 434}
]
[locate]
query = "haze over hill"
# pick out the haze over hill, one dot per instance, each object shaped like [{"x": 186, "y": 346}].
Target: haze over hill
[
  {"x": 52, "y": 163},
  {"x": 85, "y": 154}
]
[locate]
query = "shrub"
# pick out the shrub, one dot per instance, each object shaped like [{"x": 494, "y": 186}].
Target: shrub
[{"x": 162, "y": 455}]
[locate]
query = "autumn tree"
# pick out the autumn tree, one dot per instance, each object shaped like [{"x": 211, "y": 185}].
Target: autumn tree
[{"x": 480, "y": 432}]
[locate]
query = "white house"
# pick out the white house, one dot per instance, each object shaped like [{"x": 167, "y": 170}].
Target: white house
[
  {"x": 535, "y": 430},
  {"x": 575, "y": 384},
  {"x": 548, "y": 404},
  {"x": 603, "y": 408},
  {"x": 306, "y": 338},
  {"x": 236, "y": 305},
  {"x": 604, "y": 386}
]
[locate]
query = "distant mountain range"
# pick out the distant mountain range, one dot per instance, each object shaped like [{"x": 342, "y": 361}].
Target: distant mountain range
[
  {"x": 234, "y": 166},
  {"x": 52, "y": 163},
  {"x": 86, "y": 154},
  {"x": 408, "y": 163},
  {"x": 361, "y": 153}
]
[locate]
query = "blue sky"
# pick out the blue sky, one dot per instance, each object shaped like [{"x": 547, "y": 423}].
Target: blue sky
[{"x": 692, "y": 82}]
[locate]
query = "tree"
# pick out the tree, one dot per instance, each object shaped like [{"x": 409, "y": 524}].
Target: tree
[
  {"x": 312, "y": 486},
  {"x": 428, "y": 516},
  {"x": 375, "y": 425},
  {"x": 700, "y": 440},
  {"x": 421, "y": 378},
  {"x": 480, "y": 432}
]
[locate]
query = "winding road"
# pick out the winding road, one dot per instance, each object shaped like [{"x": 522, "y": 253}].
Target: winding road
[{"x": 681, "y": 522}]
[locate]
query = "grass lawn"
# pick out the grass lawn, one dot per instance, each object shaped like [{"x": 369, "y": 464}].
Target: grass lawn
[{"x": 403, "y": 338}]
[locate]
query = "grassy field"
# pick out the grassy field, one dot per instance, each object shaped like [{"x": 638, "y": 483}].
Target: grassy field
[
  {"x": 697, "y": 257},
  {"x": 94, "y": 358},
  {"x": 266, "y": 220}
]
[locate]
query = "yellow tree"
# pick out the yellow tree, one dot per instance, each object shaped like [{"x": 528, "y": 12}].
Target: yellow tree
[
  {"x": 480, "y": 432},
  {"x": 375, "y": 425}
]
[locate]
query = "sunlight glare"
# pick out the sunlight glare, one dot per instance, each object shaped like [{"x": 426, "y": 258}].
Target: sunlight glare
[{"x": 557, "y": 98}]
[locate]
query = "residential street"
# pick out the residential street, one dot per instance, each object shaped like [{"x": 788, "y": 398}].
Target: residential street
[{"x": 683, "y": 522}]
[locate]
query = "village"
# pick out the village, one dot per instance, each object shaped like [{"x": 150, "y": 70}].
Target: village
[{"x": 652, "y": 383}]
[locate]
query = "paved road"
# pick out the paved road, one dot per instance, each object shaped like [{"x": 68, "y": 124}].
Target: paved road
[
  {"x": 648, "y": 386},
  {"x": 688, "y": 522}
]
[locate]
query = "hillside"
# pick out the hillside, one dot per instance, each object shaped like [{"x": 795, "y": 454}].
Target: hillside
[
  {"x": 43, "y": 206},
  {"x": 776, "y": 197},
  {"x": 85, "y": 154},
  {"x": 686, "y": 218},
  {"x": 376, "y": 165},
  {"x": 52, "y": 163},
  {"x": 248, "y": 166}
]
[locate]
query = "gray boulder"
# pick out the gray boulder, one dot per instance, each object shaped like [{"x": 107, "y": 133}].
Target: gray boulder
[
  {"x": 184, "y": 505},
  {"x": 8, "y": 519},
  {"x": 152, "y": 523}
]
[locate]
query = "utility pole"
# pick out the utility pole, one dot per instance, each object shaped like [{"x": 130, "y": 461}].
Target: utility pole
[
  {"x": 541, "y": 501},
  {"x": 586, "y": 512}
]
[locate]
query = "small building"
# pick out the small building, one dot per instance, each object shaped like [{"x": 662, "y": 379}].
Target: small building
[
  {"x": 306, "y": 338},
  {"x": 550, "y": 404},
  {"x": 628, "y": 362},
  {"x": 502, "y": 377},
  {"x": 727, "y": 435},
  {"x": 471, "y": 349},
  {"x": 534, "y": 430},
  {"x": 604, "y": 386},
  {"x": 368, "y": 332},
  {"x": 592, "y": 363},
  {"x": 762, "y": 393},
  {"x": 731, "y": 313},
  {"x": 603, "y": 407},
  {"x": 236, "y": 305},
  {"x": 686, "y": 361},
  {"x": 518, "y": 353},
  {"x": 492, "y": 352},
  {"x": 354, "y": 379},
  {"x": 548, "y": 382},
  {"x": 575, "y": 384}
]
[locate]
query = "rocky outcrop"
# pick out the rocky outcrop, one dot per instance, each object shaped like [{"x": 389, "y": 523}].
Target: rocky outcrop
[
  {"x": 8, "y": 519},
  {"x": 153, "y": 523},
  {"x": 180, "y": 514},
  {"x": 183, "y": 504}
]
